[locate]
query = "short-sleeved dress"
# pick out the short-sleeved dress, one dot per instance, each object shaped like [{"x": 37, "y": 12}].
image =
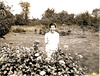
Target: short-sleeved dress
[{"x": 52, "y": 41}]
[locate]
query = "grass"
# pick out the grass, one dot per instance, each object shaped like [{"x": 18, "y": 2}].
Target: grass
[{"x": 86, "y": 44}]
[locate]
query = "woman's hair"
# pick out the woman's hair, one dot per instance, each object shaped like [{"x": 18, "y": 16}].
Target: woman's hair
[{"x": 52, "y": 24}]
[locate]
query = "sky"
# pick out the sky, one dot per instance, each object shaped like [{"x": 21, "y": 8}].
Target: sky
[{"x": 38, "y": 7}]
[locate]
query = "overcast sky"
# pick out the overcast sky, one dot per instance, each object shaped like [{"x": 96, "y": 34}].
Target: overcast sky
[{"x": 39, "y": 6}]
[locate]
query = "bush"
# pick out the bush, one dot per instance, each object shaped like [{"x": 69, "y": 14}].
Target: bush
[
  {"x": 19, "y": 30},
  {"x": 32, "y": 62},
  {"x": 6, "y": 19}
]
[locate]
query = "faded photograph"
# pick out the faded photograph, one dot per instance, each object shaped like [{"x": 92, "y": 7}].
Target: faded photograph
[{"x": 49, "y": 37}]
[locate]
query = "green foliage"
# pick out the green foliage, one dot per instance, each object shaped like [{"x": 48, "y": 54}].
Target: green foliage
[
  {"x": 32, "y": 61},
  {"x": 49, "y": 16},
  {"x": 83, "y": 19},
  {"x": 19, "y": 20},
  {"x": 95, "y": 20},
  {"x": 25, "y": 7},
  {"x": 96, "y": 12},
  {"x": 6, "y": 19},
  {"x": 49, "y": 13},
  {"x": 34, "y": 21},
  {"x": 60, "y": 18}
]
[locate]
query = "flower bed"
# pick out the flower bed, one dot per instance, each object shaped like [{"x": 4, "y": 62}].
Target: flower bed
[{"x": 31, "y": 61}]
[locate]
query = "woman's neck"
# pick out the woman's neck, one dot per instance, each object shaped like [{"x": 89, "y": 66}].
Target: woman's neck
[{"x": 52, "y": 32}]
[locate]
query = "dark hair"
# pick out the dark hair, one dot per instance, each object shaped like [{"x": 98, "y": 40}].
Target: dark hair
[{"x": 52, "y": 24}]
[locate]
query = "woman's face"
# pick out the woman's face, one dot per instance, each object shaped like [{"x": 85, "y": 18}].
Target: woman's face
[{"x": 52, "y": 29}]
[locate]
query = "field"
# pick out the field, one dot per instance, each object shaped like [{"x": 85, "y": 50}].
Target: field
[{"x": 84, "y": 46}]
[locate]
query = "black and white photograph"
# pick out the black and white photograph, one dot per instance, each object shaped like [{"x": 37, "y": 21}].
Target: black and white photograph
[{"x": 49, "y": 37}]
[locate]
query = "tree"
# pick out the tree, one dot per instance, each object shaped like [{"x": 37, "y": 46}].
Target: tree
[
  {"x": 62, "y": 17},
  {"x": 96, "y": 12},
  {"x": 49, "y": 13},
  {"x": 25, "y": 10},
  {"x": 19, "y": 20},
  {"x": 48, "y": 16},
  {"x": 6, "y": 19},
  {"x": 70, "y": 19},
  {"x": 96, "y": 18},
  {"x": 83, "y": 19}
]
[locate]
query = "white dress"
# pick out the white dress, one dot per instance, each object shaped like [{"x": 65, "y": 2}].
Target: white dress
[{"x": 52, "y": 41}]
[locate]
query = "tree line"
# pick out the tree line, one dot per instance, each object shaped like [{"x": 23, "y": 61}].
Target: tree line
[{"x": 63, "y": 17}]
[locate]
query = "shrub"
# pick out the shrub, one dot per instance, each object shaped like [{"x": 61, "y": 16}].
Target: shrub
[
  {"x": 62, "y": 33},
  {"x": 19, "y": 30},
  {"x": 32, "y": 62},
  {"x": 6, "y": 19}
]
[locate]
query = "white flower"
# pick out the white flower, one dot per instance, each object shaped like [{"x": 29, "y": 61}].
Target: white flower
[
  {"x": 18, "y": 55},
  {"x": 39, "y": 58},
  {"x": 37, "y": 54},
  {"x": 65, "y": 75},
  {"x": 28, "y": 49},
  {"x": 1, "y": 58},
  {"x": 47, "y": 59},
  {"x": 61, "y": 62},
  {"x": 2, "y": 50},
  {"x": 42, "y": 73},
  {"x": 8, "y": 49},
  {"x": 66, "y": 46},
  {"x": 80, "y": 56},
  {"x": 17, "y": 51},
  {"x": 23, "y": 75}
]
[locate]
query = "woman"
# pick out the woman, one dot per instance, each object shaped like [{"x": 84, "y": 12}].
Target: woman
[{"x": 51, "y": 41}]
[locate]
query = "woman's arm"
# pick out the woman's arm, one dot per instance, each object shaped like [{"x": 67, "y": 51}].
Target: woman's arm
[{"x": 46, "y": 39}]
